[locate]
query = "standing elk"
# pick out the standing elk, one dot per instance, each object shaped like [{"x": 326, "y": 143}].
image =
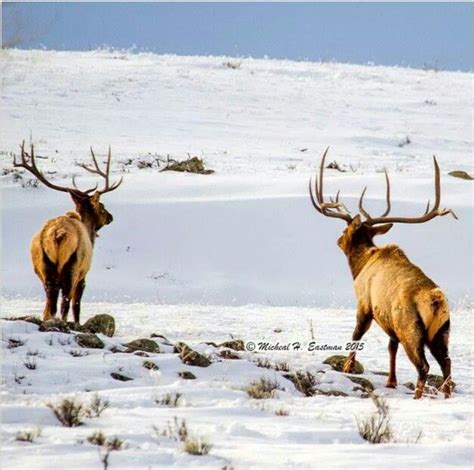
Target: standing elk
[
  {"x": 62, "y": 250},
  {"x": 389, "y": 289}
]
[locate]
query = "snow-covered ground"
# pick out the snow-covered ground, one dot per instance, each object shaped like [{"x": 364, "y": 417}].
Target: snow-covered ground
[{"x": 240, "y": 252}]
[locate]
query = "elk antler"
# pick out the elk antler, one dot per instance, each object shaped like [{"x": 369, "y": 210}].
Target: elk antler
[
  {"x": 428, "y": 215},
  {"x": 28, "y": 162},
  {"x": 98, "y": 171},
  {"x": 327, "y": 208}
]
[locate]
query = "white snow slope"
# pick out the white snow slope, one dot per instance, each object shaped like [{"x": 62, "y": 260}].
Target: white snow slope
[{"x": 239, "y": 253}]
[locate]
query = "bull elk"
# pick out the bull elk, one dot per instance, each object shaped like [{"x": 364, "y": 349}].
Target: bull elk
[
  {"x": 62, "y": 250},
  {"x": 389, "y": 289}
]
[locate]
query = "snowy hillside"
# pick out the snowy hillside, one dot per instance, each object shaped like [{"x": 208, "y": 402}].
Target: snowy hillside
[{"x": 239, "y": 253}]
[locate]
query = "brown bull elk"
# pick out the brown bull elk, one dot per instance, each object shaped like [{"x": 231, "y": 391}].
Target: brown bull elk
[
  {"x": 389, "y": 289},
  {"x": 62, "y": 250}
]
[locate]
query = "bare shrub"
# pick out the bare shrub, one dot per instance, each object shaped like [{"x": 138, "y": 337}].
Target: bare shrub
[
  {"x": 169, "y": 399},
  {"x": 29, "y": 435},
  {"x": 282, "y": 412},
  {"x": 69, "y": 412},
  {"x": 376, "y": 428},
  {"x": 179, "y": 432},
  {"x": 262, "y": 388},
  {"x": 96, "y": 407},
  {"x": 304, "y": 382},
  {"x": 30, "y": 362}
]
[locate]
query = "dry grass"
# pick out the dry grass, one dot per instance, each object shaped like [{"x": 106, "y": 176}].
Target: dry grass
[
  {"x": 376, "y": 428},
  {"x": 69, "y": 412},
  {"x": 262, "y": 388},
  {"x": 29, "y": 435}
]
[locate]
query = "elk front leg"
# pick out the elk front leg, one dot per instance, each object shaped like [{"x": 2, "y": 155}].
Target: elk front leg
[
  {"x": 392, "y": 349},
  {"x": 364, "y": 320}
]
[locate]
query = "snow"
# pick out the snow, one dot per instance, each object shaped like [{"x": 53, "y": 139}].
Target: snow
[{"x": 240, "y": 253}]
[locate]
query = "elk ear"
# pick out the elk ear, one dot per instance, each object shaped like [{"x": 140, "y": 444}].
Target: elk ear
[
  {"x": 380, "y": 229},
  {"x": 95, "y": 198},
  {"x": 76, "y": 197},
  {"x": 356, "y": 222}
]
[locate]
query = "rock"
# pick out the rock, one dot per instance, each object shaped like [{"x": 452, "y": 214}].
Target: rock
[
  {"x": 235, "y": 344},
  {"x": 461, "y": 174},
  {"x": 103, "y": 323},
  {"x": 191, "y": 357},
  {"x": 143, "y": 344},
  {"x": 89, "y": 340},
  {"x": 330, "y": 393},
  {"x": 164, "y": 338},
  {"x": 121, "y": 377},
  {"x": 409, "y": 385},
  {"x": 337, "y": 363},
  {"x": 365, "y": 385},
  {"x": 150, "y": 365},
  {"x": 54, "y": 325},
  {"x": 28, "y": 318},
  {"x": 187, "y": 375},
  {"x": 436, "y": 381},
  {"x": 228, "y": 354},
  {"x": 141, "y": 354}
]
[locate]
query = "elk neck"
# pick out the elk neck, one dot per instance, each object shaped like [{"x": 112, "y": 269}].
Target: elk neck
[
  {"x": 89, "y": 223},
  {"x": 358, "y": 256}
]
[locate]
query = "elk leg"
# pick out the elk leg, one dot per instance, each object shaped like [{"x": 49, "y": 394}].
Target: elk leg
[
  {"x": 52, "y": 292},
  {"x": 66, "y": 279},
  {"x": 439, "y": 349},
  {"x": 416, "y": 353},
  {"x": 392, "y": 349},
  {"x": 51, "y": 287},
  {"x": 76, "y": 300},
  {"x": 363, "y": 324}
]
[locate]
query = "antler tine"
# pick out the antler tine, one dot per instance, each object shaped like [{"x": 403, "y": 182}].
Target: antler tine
[
  {"x": 429, "y": 213},
  {"x": 361, "y": 207},
  {"x": 313, "y": 201},
  {"x": 33, "y": 169},
  {"x": 318, "y": 202},
  {"x": 387, "y": 194}
]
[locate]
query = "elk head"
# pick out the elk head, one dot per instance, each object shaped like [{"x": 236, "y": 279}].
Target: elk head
[
  {"x": 359, "y": 232},
  {"x": 87, "y": 202}
]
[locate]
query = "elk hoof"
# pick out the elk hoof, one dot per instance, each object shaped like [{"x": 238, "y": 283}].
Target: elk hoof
[
  {"x": 391, "y": 384},
  {"x": 418, "y": 393}
]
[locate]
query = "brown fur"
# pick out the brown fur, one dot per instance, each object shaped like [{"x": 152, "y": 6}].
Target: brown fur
[
  {"x": 61, "y": 253},
  {"x": 402, "y": 300}
]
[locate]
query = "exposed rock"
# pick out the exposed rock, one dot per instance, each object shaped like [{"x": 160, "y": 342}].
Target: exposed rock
[
  {"x": 121, "y": 377},
  {"x": 164, "y": 338},
  {"x": 461, "y": 174},
  {"x": 235, "y": 344},
  {"x": 365, "y": 385},
  {"x": 54, "y": 325},
  {"x": 28, "y": 318},
  {"x": 330, "y": 393},
  {"x": 191, "y": 357},
  {"x": 141, "y": 354},
  {"x": 337, "y": 363},
  {"x": 143, "y": 344},
  {"x": 187, "y": 375},
  {"x": 228, "y": 354},
  {"x": 89, "y": 340},
  {"x": 150, "y": 365},
  {"x": 432, "y": 380},
  {"x": 103, "y": 323},
  {"x": 191, "y": 165}
]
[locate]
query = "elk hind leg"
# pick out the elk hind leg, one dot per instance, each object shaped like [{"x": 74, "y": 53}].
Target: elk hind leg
[
  {"x": 392, "y": 349},
  {"x": 51, "y": 287},
  {"x": 439, "y": 349},
  {"x": 66, "y": 281},
  {"x": 364, "y": 320},
  {"x": 415, "y": 349},
  {"x": 76, "y": 299}
]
